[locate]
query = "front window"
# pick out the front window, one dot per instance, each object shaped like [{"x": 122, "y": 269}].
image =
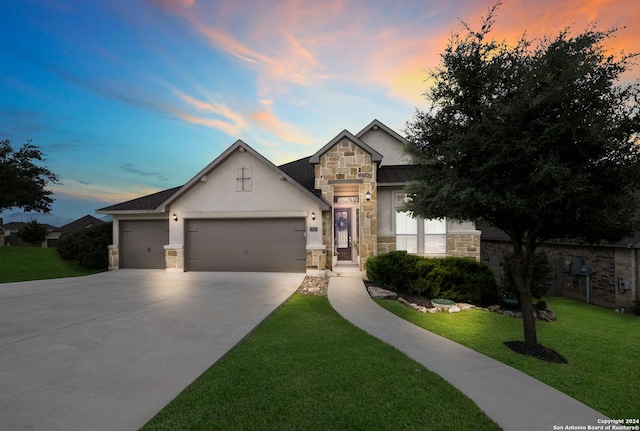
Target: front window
[{"x": 417, "y": 235}]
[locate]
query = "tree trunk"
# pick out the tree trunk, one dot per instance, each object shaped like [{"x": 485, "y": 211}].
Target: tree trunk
[{"x": 523, "y": 262}]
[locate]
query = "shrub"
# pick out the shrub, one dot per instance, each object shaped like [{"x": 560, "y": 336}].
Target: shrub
[
  {"x": 636, "y": 307},
  {"x": 87, "y": 246},
  {"x": 540, "y": 283},
  {"x": 68, "y": 246},
  {"x": 458, "y": 279}
]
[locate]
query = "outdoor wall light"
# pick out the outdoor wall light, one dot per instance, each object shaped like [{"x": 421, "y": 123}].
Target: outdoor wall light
[
  {"x": 174, "y": 217},
  {"x": 313, "y": 215},
  {"x": 367, "y": 196}
]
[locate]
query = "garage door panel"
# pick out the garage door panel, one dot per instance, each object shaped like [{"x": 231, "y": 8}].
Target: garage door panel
[
  {"x": 142, "y": 243},
  {"x": 246, "y": 245}
]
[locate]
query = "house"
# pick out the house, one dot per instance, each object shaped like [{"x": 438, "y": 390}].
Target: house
[
  {"x": 11, "y": 230},
  {"x": 606, "y": 275},
  {"x": 1, "y": 232},
  {"x": 81, "y": 223},
  {"x": 243, "y": 213}
]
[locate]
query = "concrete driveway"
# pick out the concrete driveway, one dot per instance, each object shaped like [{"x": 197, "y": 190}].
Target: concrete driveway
[{"x": 110, "y": 350}]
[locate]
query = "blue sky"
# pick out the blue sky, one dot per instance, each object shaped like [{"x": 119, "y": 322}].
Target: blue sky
[{"x": 128, "y": 97}]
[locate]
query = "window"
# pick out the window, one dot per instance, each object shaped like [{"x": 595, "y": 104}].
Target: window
[
  {"x": 406, "y": 232},
  {"x": 417, "y": 235}
]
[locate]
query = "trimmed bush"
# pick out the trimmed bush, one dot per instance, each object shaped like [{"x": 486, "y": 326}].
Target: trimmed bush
[
  {"x": 455, "y": 278},
  {"x": 87, "y": 246}
]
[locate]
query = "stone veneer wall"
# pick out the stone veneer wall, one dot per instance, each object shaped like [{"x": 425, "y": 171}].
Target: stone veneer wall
[
  {"x": 114, "y": 261},
  {"x": 174, "y": 257},
  {"x": 316, "y": 259},
  {"x": 464, "y": 245},
  {"x": 348, "y": 163},
  {"x": 607, "y": 264}
]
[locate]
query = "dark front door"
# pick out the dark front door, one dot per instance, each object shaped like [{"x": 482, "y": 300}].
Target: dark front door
[{"x": 342, "y": 230}]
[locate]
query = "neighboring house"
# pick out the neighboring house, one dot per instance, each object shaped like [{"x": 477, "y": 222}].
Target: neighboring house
[
  {"x": 606, "y": 275},
  {"x": 1, "y": 232},
  {"x": 81, "y": 223},
  {"x": 11, "y": 233},
  {"x": 243, "y": 213}
]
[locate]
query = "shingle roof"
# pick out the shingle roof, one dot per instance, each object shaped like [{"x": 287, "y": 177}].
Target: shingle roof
[
  {"x": 302, "y": 171},
  {"x": 491, "y": 233},
  {"x": 148, "y": 203},
  {"x": 81, "y": 223}
]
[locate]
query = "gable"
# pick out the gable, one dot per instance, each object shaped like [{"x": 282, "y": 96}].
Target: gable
[
  {"x": 386, "y": 142},
  {"x": 240, "y": 179},
  {"x": 243, "y": 183}
]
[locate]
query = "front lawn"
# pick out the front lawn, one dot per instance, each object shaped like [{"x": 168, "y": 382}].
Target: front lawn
[
  {"x": 36, "y": 263},
  {"x": 602, "y": 348},
  {"x": 307, "y": 368}
]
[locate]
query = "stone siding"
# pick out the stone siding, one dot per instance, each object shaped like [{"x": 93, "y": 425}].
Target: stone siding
[
  {"x": 316, "y": 259},
  {"x": 607, "y": 264},
  {"x": 463, "y": 245},
  {"x": 174, "y": 257},
  {"x": 348, "y": 163},
  {"x": 386, "y": 244},
  {"x": 114, "y": 260}
]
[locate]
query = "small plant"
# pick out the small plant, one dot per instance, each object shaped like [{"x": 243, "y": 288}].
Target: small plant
[
  {"x": 541, "y": 305},
  {"x": 356, "y": 245}
]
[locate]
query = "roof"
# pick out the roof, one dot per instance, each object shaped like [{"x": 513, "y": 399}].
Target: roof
[
  {"x": 375, "y": 124},
  {"x": 144, "y": 203},
  {"x": 81, "y": 223},
  {"x": 302, "y": 171},
  {"x": 392, "y": 175},
  {"x": 345, "y": 134},
  {"x": 491, "y": 233}
]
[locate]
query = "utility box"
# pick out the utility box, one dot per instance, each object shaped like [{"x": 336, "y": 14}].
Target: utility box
[
  {"x": 576, "y": 265},
  {"x": 585, "y": 271}
]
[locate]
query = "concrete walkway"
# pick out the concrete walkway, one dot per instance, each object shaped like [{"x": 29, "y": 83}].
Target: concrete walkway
[{"x": 514, "y": 400}]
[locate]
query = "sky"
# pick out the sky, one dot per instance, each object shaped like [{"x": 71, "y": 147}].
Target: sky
[{"x": 130, "y": 97}]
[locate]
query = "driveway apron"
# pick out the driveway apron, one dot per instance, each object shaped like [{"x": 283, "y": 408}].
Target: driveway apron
[{"x": 108, "y": 351}]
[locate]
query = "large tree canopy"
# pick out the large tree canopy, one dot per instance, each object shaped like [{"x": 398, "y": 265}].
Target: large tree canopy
[
  {"x": 23, "y": 180},
  {"x": 540, "y": 141}
]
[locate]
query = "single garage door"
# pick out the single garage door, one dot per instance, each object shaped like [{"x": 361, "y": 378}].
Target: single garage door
[
  {"x": 142, "y": 243},
  {"x": 263, "y": 245}
]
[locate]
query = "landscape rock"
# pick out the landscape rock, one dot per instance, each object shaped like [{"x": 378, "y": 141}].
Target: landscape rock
[
  {"x": 432, "y": 310},
  {"x": 493, "y": 308},
  {"x": 404, "y": 302},
  {"x": 454, "y": 309},
  {"x": 464, "y": 306},
  {"x": 378, "y": 292}
]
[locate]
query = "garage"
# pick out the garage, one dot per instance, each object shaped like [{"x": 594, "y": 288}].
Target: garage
[
  {"x": 254, "y": 245},
  {"x": 142, "y": 243}
]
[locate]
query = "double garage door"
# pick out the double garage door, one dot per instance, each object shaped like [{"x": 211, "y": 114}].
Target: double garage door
[{"x": 276, "y": 245}]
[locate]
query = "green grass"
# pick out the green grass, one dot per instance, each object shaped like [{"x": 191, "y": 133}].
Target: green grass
[
  {"x": 36, "y": 263},
  {"x": 602, "y": 347},
  {"x": 307, "y": 368}
]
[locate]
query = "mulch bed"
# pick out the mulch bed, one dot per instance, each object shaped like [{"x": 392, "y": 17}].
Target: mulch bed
[{"x": 538, "y": 352}]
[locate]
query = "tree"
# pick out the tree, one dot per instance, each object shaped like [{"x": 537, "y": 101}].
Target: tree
[
  {"x": 23, "y": 180},
  {"x": 33, "y": 232},
  {"x": 541, "y": 142}
]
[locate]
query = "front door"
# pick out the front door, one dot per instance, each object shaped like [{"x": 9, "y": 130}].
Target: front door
[{"x": 342, "y": 232}]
